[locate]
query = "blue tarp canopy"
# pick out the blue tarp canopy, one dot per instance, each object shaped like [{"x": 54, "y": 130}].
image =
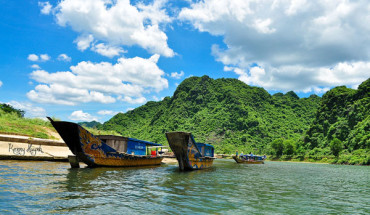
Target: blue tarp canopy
[
  {"x": 138, "y": 147},
  {"x": 208, "y": 149},
  {"x": 144, "y": 142}
]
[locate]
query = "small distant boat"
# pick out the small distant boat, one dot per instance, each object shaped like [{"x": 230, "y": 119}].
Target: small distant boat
[
  {"x": 250, "y": 159},
  {"x": 190, "y": 154},
  {"x": 106, "y": 150}
]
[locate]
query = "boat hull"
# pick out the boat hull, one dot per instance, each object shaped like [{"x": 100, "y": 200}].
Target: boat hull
[
  {"x": 238, "y": 160},
  {"x": 94, "y": 152},
  {"x": 187, "y": 153}
]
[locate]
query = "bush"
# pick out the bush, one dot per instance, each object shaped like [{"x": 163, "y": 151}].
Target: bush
[
  {"x": 289, "y": 147},
  {"x": 336, "y": 146}
]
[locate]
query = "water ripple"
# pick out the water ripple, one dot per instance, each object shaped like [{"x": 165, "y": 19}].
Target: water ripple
[{"x": 226, "y": 188}]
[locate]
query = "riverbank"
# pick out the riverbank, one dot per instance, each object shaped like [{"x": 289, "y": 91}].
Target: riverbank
[
  {"x": 16, "y": 147},
  {"x": 360, "y": 159}
]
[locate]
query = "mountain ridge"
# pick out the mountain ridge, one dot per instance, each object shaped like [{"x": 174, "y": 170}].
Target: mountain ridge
[{"x": 225, "y": 112}]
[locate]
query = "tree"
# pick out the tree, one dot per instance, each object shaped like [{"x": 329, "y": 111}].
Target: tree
[
  {"x": 9, "y": 109},
  {"x": 336, "y": 146},
  {"x": 278, "y": 146},
  {"x": 289, "y": 147}
]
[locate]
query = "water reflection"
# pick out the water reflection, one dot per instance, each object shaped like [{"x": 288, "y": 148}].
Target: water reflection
[{"x": 277, "y": 188}]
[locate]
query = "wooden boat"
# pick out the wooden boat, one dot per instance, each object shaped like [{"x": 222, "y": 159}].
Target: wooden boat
[
  {"x": 250, "y": 159},
  {"x": 190, "y": 154},
  {"x": 105, "y": 150}
]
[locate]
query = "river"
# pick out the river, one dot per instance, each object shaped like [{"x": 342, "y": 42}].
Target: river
[{"x": 28, "y": 187}]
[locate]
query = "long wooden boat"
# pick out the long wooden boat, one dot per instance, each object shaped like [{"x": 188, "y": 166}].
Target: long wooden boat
[
  {"x": 190, "y": 154},
  {"x": 250, "y": 159},
  {"x": 105, "y": 150}
]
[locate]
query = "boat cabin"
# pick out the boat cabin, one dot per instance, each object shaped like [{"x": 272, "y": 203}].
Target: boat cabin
[
  {"x": 206, "y": 150},
  {"x": 127, "y": 145}
]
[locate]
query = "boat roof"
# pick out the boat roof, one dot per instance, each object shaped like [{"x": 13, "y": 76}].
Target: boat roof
[
  {"x": 145, "y": 142},
  {"x": 209, "y": 145},
  {"x": 249, "y": 155},
  {"x": 115, "y": 137}
]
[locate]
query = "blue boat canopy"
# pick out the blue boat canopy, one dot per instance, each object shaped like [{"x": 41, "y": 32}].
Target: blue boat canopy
[
  {"x": 144, "y": 142},
  {"x": 204, "y": 148}
]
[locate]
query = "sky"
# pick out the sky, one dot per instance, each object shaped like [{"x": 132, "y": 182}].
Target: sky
[{"x": 80, "y": 60}]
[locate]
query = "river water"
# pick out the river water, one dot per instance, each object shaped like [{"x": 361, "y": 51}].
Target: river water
[{"x": 226, "y": 188}]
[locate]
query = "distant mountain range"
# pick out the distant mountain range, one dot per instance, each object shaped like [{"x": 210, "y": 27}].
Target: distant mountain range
[{"x": 92, "y": 124}]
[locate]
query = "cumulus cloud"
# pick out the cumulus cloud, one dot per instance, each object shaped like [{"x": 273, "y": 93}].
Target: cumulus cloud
[
  {"x": 304, "y": 79},
  {"x": 103, "y": 82},
  {"x": 45, "y": 7},
  {"x": 108, "y": 51},
  {"x": 83, "y": 41},
  {"x": 33, "y": 57},
  {"x": 107, "y": 112},
  {"x": 176, "y": 75},
  {"x": 42, "y": 57},
  {"x": 64, "y": 57},
  {"x": 116, "y": 23},
  {"x": 35, "y": 66},
  {"x": 79, "y": 115},
  {"x": 131, "y": 100},
  {"x": 294, "y": 43},
  {"x": 31, "y": 110}
]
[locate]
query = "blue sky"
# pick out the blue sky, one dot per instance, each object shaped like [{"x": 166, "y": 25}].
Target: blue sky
[{"x": 88, "y": 60}]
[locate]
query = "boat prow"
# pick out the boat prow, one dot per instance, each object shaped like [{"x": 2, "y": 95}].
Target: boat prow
[
  {"x": 190, "y": 154},
  {"x": 105, "y": 150}
]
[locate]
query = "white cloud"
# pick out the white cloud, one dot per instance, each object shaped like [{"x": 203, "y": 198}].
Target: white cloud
[
  {"x": 155, "y": 98},
  {"x": 107, "y": 112},
  {"x": 129, "y": 109},
  {"x": 30, "y": 109},
  {"x": 101, "y": 82},
  {"x": 130, "y": 100},
  {"x": 108, "y": 51},
  {"x": 116, "y": 23},
  {"x": 79, "y": 115},
  {"x": 176, "y": 75},
  {"x": 303, "y": 79},
  {"x": 44, "y": 57},
  {"x": 84, "y": 41},
  {"x": 1, "y": 83},
  {"x": 35, "y": 66},
  {"x": 262, "y": 26},
  {"x": 45, "y": 7},
  {"x": 64, "y": 57},
  {"x": 297, "y": 44},
  {"x": 33, "y": 57}
]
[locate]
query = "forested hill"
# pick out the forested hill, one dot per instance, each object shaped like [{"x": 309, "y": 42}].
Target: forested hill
[
  {"x": 92, "y": 124},
  {"x": 342, "y": 122},
  {"x": 225, "y": 112}
]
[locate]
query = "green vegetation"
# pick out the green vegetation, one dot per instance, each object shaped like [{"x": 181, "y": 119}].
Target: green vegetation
[
  {"x": 234, "y": 116},
  {"x": 92, "y": 124},
  {"x": 13, "y": 122},
  {"x": 342, "y": 124},
  {"x": 224, "y": 112},
  {"x": 96, "y": 131},
  {"x": 6, "y": 108},
  {"x": 340, "y": 132}
]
